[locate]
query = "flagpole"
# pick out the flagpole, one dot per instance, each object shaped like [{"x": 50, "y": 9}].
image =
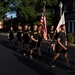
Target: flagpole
[
  {"x": 43, "y": 22},
  {"x": 45, "y": 12},
  {"x": 46, "y": 25},
  {"x": 61, "y": 6}
]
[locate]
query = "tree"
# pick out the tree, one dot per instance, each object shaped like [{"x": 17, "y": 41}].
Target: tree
[
  {"x": 4, "y": 7},
  {"x": 26, "y": 11},
  {"x": 51, "y": 6},
  {"x": 2, "y": 10},
  {"x": 30, "y": 11}
]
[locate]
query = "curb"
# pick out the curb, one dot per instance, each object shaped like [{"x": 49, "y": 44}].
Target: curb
[{"x": 4, "y": 34}]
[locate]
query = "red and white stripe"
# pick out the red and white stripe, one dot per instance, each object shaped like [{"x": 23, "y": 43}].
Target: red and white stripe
[{"x": 43, "y": 24}]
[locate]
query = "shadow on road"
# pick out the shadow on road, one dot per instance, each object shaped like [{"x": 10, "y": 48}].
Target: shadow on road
[
  {"x": 41, "y": 67},
  {"x": 36, "y": 65},
  {"x": 6, "y": 44}
]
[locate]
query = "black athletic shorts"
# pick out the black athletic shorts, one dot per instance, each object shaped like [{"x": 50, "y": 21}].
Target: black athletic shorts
[
  {"x": 53, "y": 41},
  {"x": 61, "y": 50},
  {"x": 26, "y": 41},
  {"x": 19, "y": 39},
  {"x": 33, "y": 44},
  {"x": 11, "y": 38}
]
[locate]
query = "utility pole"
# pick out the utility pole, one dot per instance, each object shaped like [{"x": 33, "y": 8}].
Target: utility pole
[
  {"x": 61, "y": 6},
  {"x": 44, "y": 5},
  {"x": 11, "y": 21}
]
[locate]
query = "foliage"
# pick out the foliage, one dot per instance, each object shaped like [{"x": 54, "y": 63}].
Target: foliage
[
  {"x": 30, "y": 11},
  {"x": 70, "y": 37},
  {"x": 4, "y": 7},
  {"x": 2, "y": 10}
]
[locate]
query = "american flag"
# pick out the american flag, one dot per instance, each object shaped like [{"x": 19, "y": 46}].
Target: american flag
[{"x": 43, "y": 24}]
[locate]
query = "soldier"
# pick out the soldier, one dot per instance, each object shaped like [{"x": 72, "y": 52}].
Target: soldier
[
  {"x": 29, "y": 32},
  {"x": 62, "y": 48},
  {"x": 19, "y": 37},
  {"x": 11, "y": 36},
  {"x": 51, "y": 36},
  {"x": 34, "y": 40},
  {"x": 25, "y": 36},
  {"x": 39, "y": 40}
]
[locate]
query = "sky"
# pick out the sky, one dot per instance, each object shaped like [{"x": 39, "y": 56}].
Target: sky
[{"x": 9, "y": 14}]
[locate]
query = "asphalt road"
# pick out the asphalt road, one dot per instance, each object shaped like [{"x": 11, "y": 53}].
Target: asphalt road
[{"x": 14, "y": 63}]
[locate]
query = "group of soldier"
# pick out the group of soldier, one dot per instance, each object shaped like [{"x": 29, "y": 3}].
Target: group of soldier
[{"x": 32, "y": 39}]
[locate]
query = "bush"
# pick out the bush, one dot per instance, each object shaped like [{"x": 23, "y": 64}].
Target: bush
[{"x": 70, "y": 37}]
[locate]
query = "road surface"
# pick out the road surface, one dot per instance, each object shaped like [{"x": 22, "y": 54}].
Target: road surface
[{"x": 14, "y": 63}]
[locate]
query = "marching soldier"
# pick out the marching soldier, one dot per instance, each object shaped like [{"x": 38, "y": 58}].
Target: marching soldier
[
  {"x": 11, "y": 36},
  {"x": 29, "y": 32},
  {"x": 25, "y": 36},
  {"x": 39, "y": 40},
  {"x": 34, "y": 40},
  {"x": 62, "y": 48},
  {"x": 19, "y": 37},
  {"x": 51, "y": 36}
]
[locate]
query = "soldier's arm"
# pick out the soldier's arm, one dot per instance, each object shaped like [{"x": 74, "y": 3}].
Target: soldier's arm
[
  {"x": 33, "y": 39},
  {"x": 58, "y": 40}
]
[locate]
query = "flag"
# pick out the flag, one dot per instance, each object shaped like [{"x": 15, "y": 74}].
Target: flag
[
  {"x": 43, "y": 24},
  {"x": 61, "y": 22}
]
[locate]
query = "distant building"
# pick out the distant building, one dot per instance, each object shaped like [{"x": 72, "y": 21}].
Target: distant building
[{"x": 69, "y": 8}]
